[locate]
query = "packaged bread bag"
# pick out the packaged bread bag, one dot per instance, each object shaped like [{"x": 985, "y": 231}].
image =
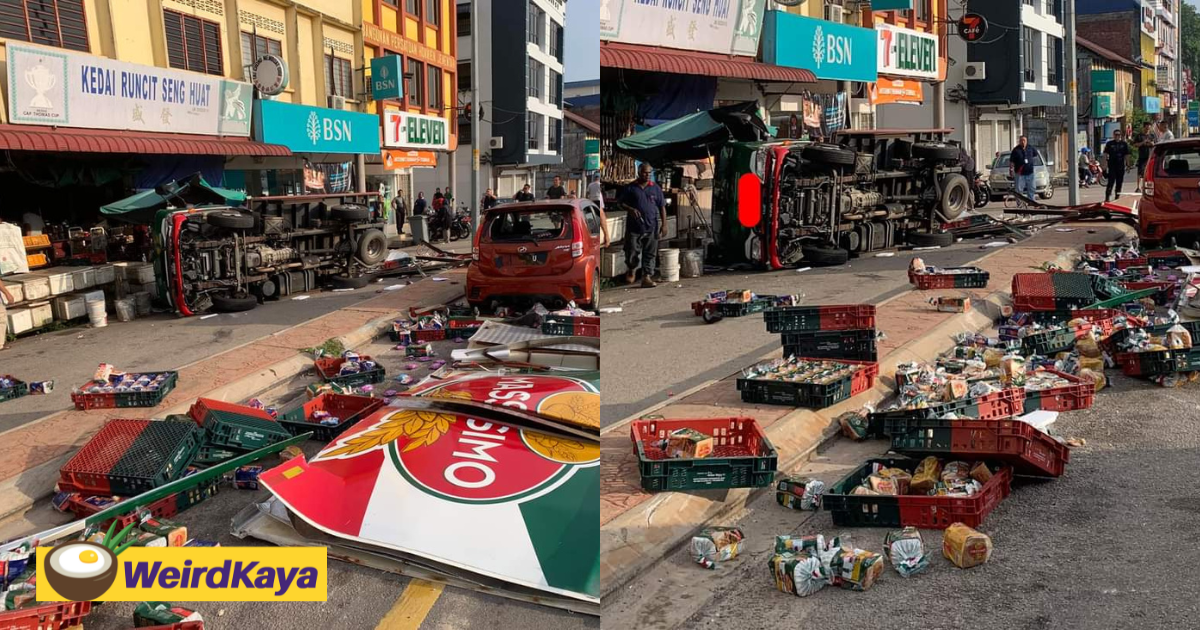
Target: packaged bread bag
[
  {"x": 926, "y": 476},
  {"x": 716, "y": 544},
  {"x": 966, "y": 547}
]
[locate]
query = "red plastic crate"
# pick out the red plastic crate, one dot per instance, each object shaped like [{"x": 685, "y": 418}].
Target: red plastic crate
[
  {"x": 1170, "y": 288},
  {"x": 458, "y": 324},
  {"x": 94, "y": 401},
  {"x": 1002, "y": 404},
  {"x": 1012, "y": 441},
  {"x": 851, "y": 317},
  {"x": 48, "y": 617},
  {"x": 422, "y": 336},
  {"x": 1096, "y": 248},
  {"x": 1125, "y": 263},
  {"x": 1078, "y": 395},
  {"x": 942, "y": 512},
  {"x": 1033, "y": 292},
  {"x": 742, "y": 455},
  {"x": 202, "y": 406}
]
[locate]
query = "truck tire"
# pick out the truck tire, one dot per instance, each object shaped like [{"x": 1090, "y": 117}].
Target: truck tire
[
  {"x": 349, "y": 282},
  {"x": 231, "y": 219},
  {"x": 935, "y": 151},
  {"x": 235, "y": 303},
  {"x": 825, "y": 256},
  {"x": 956, "y": 197},
  {"x": 927, "y": 239},
  {"x": 829, "y": 154},
  {"x": 372, "y": 247},
  {"x": 349, "y": 213}
]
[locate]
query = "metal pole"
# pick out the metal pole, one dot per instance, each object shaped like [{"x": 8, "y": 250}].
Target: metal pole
[
  {"x": 1181, "y": 123},
  {"x": 475, "y": 118},
  {"x": 1072, "y": 103},
  {"x": 939, "y": 105}
]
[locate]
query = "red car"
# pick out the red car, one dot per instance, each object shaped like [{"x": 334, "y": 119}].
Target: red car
[
  {"x": 1170, "y": 203},
  {"x": 546, "y": 251}
]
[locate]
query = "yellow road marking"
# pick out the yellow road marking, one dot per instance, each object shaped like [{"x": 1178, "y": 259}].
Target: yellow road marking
[{"x": 412, "y": 607}]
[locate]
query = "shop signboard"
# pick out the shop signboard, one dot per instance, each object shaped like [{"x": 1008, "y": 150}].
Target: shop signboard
[
  {"x": 1193, "y": 118},
  {"x": 1152, "y": 104},
  {"x": 404, "y": 130},
  {"x": 829, "y": 50},
  {"x": 907, "y": 53},
  {"x": 387, "y": 78},
  {"x": 1101, "y": 105},
  {"x": 891, "y": 5},
  {"x": 305, "y": 129},
  {"x": 52, "y": 86},
  {"x": 1104, "y": 81},
  {"x": 888, "y": 91},
  {"x": 591, "y": 153},
  {"x": 1149, "y": 17},
  {"x": 394, "y": 159},
  {"x": 722, "y": 26}
]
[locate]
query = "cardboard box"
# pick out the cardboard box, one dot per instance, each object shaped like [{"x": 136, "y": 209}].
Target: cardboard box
[
  {"x": 689, "y": 444},
  {"x": 68, "y": 307}
]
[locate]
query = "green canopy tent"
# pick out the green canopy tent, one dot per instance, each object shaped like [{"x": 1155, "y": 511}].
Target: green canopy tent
[
  {"x": 696, "y": 136},
  {"x": 140, "y": 208}
]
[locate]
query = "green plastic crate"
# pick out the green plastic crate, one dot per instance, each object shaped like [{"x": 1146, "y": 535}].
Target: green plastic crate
[
  {"x": 742, "y": 457},
  {"x": 241, "y": 432},
  {"x": 17, "y": 391}
]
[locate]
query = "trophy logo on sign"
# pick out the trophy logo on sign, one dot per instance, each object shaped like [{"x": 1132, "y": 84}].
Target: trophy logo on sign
[{"x": 41, "y": 80}]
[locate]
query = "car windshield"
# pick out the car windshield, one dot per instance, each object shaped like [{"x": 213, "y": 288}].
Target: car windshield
[
  {"x": 1002, "y": 160},
  {"x": 1180, "y": 162},
  {"x": 529, "y": 224}
]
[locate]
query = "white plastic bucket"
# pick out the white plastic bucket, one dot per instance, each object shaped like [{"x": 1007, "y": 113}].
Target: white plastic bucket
[
  {"x": 691, "y": 263},
  {"x": 95, "y": 311},
  {"x": 668, "y": 258},
  {"x": 669, "y": 274}
]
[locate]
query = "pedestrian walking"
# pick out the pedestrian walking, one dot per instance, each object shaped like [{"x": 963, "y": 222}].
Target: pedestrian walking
[
  {"x": 1144, "y": 141},
  {"x": 646, "y": 223},
  {"x": 5, "y": 298},
  {"x": 420, "y": 205},
  {"x": 1022, "y": 160},
  {"x": 488, "y": 201},
  {"x": 556, "y": 191},
  {"x": 1117, "y": 151},
  {"x": 1085, "y": 166},
  {"x": 595, "y": 192},
  {"x": 400, "y": 209},
  {"x": 525, "y": 194}
]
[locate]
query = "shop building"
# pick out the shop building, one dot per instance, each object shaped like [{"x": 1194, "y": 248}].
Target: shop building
[{"x": 1107, "y": 88}]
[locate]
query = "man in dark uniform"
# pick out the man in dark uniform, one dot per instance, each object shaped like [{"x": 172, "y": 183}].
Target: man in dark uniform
[
  {"x": 556, "y": 191},
  {"x": 1144, "y": 142},
  {"x": 420, "y": 204},
  {"x": 1117, "y": 151},
  {"x": 525, "y": 194},
  {"x": 645, "y": 224}
]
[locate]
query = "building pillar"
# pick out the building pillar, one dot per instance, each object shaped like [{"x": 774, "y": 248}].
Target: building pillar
[
  {"x": 939, "y": 105},
  {"x": 295, "y": 80},
  {"x": 158, "y": 33}
]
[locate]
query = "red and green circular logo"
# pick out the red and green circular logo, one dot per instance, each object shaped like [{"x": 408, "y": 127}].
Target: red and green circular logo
[{"x": 574, "y": 400}]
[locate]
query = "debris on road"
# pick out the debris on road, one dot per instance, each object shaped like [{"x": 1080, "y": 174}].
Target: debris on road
[
  {"x": 906, "y": 551},
  {"x": 799, "y": 492},
  {"x": 716, "y": 544},
  {"x": 966, "y": 547}
]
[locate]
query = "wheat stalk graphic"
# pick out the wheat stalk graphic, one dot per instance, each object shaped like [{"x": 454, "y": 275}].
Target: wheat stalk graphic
[
  {"x": 314, "y": 127},
  {"x": 819, "y": 46}
]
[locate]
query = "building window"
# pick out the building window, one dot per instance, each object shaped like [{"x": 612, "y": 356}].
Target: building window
[
  {"x": 555, "y": 89},
  {"x": 192, "y": 43},
  {"x": 535, "y": 131},
  {"x": 433, "y": 12},
  {"x": 536, "y": 78},
  {"x": 435, "y": 88},
  {"x": 255, "y": 46},
  {"x": 414, "y": 83},
  {"x": 537, "y": 32},
  {"x": 412, "y": 7},
  {"x": 337, "y": 77},
  {"x": 58, "y": 23},
  {"x": 464, "y": 76},
  {"x": 1051, "y": 60},
  {"x": 552, "y": 136},
  {"x": 392, "y": 3},
  {"x": 556, "y": 42},
  {"x": 1028, "y": 63},
  {"x": 464, "y": 20},
  {"x": 922, "y": 9}
]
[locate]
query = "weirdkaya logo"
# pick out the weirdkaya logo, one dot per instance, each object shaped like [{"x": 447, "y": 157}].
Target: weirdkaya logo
[{"x": 82, "y": 571}]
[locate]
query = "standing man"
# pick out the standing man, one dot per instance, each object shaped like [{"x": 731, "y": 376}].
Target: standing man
[
  {"x": 5, "y": 298},
  {"x": 595, "y": 192},
  {"x": 1144, "y": 141},
  {"x": 556, "y": 191},
  {"x": 525, "y": 194},
  {"x": 400, "y": 209},
  {"x": 1117, "y": 151},
  {"x": 420, "y": 204},
  {"x": 437, "y": 194},
  {"x": 1164, "y": 132},
  {"x": 488, "y": 201},
  {"x": 1021, "y": 162},
  {"x": 646, "y": 223}
]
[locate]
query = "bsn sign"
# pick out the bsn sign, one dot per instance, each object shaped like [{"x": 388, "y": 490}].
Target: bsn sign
[{"x": 832, "y": 49}]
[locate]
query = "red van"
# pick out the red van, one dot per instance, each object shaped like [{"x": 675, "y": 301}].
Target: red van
[
  {"x": 545, "y": 251},
  {"x": 1170, "y": 205}
]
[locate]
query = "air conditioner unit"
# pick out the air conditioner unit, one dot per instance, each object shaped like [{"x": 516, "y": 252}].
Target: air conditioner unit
[
  {"x": 337, "y": 102},
  {"x": 496, "y": 142},
  {"x": 975, "y": 71}
]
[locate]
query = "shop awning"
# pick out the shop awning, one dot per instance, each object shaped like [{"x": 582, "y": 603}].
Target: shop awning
[
  {"x": 140, "y": 208},
  {"x": 654, "y": 59},
  {"x": 51, "y": 139},
  {"x": 696, "y": 136}
]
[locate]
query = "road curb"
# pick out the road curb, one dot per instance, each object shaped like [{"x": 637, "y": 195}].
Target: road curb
[
  {"x": 20, "y": 492},
  {"x": 635, "y": 541}
]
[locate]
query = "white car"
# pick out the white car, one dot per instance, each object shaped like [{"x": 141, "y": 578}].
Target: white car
[{"x": 1002, "y": 182}]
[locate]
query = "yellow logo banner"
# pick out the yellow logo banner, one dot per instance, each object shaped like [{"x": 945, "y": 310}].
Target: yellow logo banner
[{"x": 85, "y": 571}]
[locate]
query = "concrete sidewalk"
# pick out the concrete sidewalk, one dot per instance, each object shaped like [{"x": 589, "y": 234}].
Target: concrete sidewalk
[
  {"x": 638, "y": 528},
  {"x": 34, "y": 451}
]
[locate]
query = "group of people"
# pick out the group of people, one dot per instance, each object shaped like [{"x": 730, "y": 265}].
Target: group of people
[{"x": 1117, "y": 156}]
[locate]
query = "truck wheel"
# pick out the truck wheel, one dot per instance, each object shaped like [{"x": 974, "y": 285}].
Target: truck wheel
[
  {"x": 825, "y": 256},
  {"x": 372, "y": 247},
  {"x": 349, "y": 282},
  {"x": 348, "y": 213},
  {"x": 231, "y": 219},
  {"x": 235, "y": 303},
  {"x": 935, "y": 151},
  {"x": 956, "y": 197},
  {"x": 927, "y": 239},
  {"x": 829, "y": 154}
]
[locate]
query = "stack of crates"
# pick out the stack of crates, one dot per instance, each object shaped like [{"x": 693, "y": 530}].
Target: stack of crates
[
  {"x": 129, "y": 457},
  {"x": 825, "y": 332},
  {"x": 231, "y": 429}
]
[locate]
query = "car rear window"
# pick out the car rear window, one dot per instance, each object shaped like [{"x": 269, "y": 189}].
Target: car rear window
[
  {"x": 529, "y": 224},
  {"x": 1179, "y": 162}
]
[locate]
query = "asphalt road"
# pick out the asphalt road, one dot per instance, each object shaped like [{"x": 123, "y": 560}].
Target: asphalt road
[
  {"x": 656, "y": 347},
  {"x": 1109, "y": 545},
  {"x": 358, "y": 597}
]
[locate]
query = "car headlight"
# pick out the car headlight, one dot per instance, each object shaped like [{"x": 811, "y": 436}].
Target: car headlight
[{"x": 998, "y": 177}]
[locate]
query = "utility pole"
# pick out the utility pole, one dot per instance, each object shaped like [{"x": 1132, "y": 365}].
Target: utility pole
[
  {"x": 475, "y": 192},
  {"x": 1181, "y": 124},
  {"x": 1072, "y": 103}
]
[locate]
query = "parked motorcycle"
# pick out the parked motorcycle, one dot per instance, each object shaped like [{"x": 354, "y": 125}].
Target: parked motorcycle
[
  {"x": 460, "y": 226},
  {"x": 982, "y": 190}
]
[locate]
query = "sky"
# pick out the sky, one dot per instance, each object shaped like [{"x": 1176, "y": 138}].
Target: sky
[{"x": 581, "y": 59}]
